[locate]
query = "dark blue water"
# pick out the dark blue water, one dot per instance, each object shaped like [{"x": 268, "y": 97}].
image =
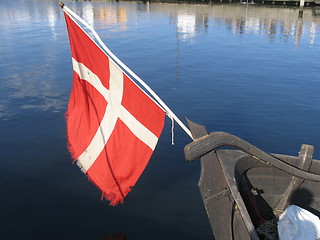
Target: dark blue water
[{"x": 248, "y": 70}]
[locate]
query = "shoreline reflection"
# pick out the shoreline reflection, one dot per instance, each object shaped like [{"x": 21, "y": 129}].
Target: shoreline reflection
[
  {"x": 275, "y": 22},
  {"x": 40, "y": 21}
]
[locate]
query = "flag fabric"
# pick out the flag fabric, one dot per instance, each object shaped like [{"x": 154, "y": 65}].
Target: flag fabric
[{"x": 112, "y": 125}]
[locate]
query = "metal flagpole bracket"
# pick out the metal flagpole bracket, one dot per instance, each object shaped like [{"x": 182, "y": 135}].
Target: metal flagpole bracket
[{"x": 61, "y": 4}]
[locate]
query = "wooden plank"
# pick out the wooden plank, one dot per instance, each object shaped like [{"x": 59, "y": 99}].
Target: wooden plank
[
  {"x": 306, "y": 154},
  {"x": 214, "y": 190},
  {"x": 207, "y": 143}
]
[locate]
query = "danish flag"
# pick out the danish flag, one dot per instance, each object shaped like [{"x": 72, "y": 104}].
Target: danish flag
[{"x": 112, "y": 125}]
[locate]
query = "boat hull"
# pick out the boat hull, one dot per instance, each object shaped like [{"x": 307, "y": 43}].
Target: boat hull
[{"x": 245, "y": 190}]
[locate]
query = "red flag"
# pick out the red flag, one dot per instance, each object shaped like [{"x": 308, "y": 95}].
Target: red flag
[{"x": 112, "y": 125}]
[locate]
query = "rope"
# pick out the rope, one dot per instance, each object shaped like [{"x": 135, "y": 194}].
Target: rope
[
  {"x": 269, "y": 229},
  {"x": 172, "y": 128}
]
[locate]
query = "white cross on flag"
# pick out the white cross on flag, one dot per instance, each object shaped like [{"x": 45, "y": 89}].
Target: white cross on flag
[{"x": 112, "y": 125}]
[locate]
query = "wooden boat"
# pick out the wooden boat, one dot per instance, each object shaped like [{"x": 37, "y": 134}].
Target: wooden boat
[{"x": 245, "y": 190}]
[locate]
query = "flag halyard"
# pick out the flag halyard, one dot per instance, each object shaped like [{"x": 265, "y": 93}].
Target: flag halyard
[{"x": 112, "y": 125}]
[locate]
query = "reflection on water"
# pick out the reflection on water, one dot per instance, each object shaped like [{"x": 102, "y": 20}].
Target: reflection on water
[
  {"x": 281, "y": 23},
  {"x": 27, "y": 74},
  {"x": 33, "y": 19},
  {"x": 244, "y": 69},
  {"x": 189, "y": 24},
  {"x": 110, "y": 16}
]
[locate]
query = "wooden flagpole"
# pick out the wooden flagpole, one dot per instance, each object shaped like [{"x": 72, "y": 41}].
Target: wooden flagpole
[{"x": 118, "y": 61}]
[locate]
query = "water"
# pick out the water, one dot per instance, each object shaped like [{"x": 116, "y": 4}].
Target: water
[{"x": 247, "y": 70}]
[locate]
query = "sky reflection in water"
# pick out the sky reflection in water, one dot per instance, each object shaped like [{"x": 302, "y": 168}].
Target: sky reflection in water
[{"x": 248, "y": 70}]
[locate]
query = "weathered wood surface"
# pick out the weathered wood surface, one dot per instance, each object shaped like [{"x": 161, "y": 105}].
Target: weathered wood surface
[
  {"x": 306, "y": 154},
  {"x": 209, "y": 142},
  {"x": 225, "y": 208},
  {"x": 241, "y": 189},
  {"x": 214, "y": 195}
]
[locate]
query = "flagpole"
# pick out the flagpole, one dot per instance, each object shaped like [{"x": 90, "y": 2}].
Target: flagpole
[{"x": 116, "y": 59}]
